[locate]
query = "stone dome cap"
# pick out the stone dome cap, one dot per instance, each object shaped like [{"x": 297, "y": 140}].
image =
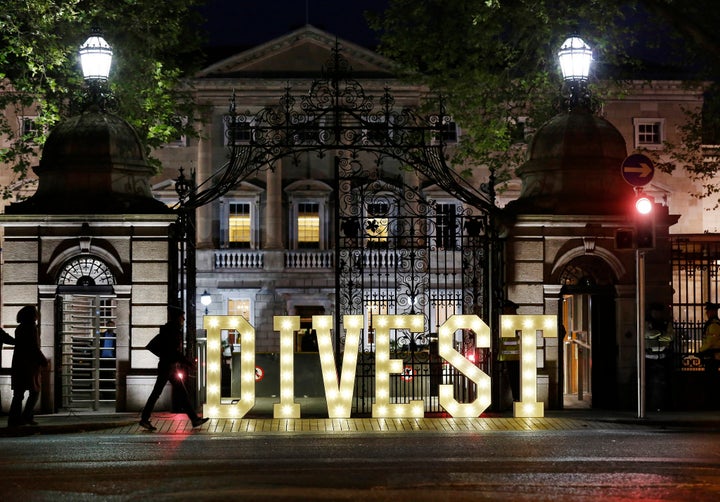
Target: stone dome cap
[
  {"x": 574, "y": 168},
  {"x": 92, "y": 162}
]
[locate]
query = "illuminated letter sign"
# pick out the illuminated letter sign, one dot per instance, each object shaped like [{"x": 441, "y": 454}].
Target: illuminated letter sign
[
  {"x": 464, "y": 366},
  {"x": 384, "y": 366},
  {"x": 237, "y": 406},
  {"x": 338, "y": 396},
  {"x": 528, "y": 326},
  {"x": 287, "y": 407},
  {"x": 339, "y": 390}
]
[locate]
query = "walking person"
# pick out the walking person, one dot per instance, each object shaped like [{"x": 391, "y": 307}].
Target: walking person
[
  {"x": 168, "y": 347},
  {"x": 27, "y": 363}
]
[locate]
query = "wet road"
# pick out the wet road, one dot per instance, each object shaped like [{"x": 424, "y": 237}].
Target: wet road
[{"x": 636, "y": 463}]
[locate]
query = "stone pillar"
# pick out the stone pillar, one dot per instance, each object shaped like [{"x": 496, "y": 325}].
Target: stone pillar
[
  {"x": 273, "y": 211},
  {"x": 204, "y": 170},
  {"x": 625, "y": 318},
  {"x": 48, "y": 340}
]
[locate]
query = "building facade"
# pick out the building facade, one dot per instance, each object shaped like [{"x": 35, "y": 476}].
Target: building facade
[{"x": 321, "y": 233}]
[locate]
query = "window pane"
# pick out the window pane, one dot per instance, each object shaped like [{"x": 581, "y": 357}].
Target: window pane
[
  {"x": 241, "y": 130},
  {"x": 239, "y": 225},
  {"x": 239, "y": 307},
  {"x": 649, "y": 133},
  {"x": 445, "y": 226},
  {"x": 308, "y": 225},
  {"x": 377, "y": 225}
]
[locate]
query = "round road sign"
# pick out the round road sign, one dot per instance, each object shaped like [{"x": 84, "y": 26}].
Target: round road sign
[{"x": 637, "y": 170}]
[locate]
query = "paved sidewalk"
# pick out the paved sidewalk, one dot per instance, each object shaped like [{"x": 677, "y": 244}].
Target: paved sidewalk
[{"x": 173, "y": 423}]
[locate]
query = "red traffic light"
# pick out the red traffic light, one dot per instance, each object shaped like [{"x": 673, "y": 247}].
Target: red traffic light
[{"x": 643, "y": 205}]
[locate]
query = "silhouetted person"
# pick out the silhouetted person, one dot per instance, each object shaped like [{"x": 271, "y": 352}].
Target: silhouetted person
[
  {"x": 27, "y": 363},
  {"x": 309, "y": 341},
  {"x": 169, "y": 350},
  {"x": 709, "y": 352},
  {"x": 5, "y": 338}
]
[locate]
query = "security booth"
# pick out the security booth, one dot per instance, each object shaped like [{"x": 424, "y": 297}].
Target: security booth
[{"x": 90, "y": 249}]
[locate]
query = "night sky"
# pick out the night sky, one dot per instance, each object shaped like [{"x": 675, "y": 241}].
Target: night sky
[{"x": 245, "y": 23}]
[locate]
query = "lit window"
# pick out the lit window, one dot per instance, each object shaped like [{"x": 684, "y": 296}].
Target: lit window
[
  {"x": 308, "y": 225},
  {"x": 649, "y": 133},
  {"x": 239, "y": 225},
  {"x": 377, "y": 224},
  {"x": 239, "y": 306}
]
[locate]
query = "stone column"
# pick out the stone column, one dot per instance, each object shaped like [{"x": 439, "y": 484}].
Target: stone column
[
  {"x": 204, "y": 170},
  {"x": 273, "y": 211}
]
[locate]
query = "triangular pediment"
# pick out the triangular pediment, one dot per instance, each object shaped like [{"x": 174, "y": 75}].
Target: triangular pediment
[{"x": 301, "y": 53}]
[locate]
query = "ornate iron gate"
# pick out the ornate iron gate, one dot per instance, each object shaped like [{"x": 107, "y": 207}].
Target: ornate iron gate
[
  {"x": 696, "y": 280},
  {"x": 397, "y": 250},
  {"x": 401, "y": 253}
]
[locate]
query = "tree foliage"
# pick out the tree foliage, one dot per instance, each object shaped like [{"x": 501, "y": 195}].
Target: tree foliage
[
  {"x": 495, "y": 60},
  {"x": 154, "y": 44}
]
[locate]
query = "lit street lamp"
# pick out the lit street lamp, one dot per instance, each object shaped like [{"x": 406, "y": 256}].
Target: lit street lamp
[
  {"x": 575, "y": 57},
  {"x": 95, "y": 57},
  {"x": 206, "y": 300}
]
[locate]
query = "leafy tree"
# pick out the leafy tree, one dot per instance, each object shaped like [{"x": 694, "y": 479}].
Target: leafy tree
[
  {"x": 495, "y": 60},
  {"x": 154, "y": 44}
]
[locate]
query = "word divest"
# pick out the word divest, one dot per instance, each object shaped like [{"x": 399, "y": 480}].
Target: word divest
[{"x": 339, "y": 388}]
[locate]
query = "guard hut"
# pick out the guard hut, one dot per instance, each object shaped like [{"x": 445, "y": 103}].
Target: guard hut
[
  {"x": 90, "y": 248},
  {"x": 566, "y": 255}
]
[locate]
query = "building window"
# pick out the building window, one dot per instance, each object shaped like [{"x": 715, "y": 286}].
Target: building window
[
  {"x": 29, "y": 129},
  {"x": 181, "y": 140},
  {"x": 307, "y": 130},
  {"x": 377, "y": 224},
  {"x": 241, "y": 130},
  {"x": 239, "y": 306},
  {"x": 308, "y": 214},
  {"x": 376, "y": 130},
  {"x": 447, "y": 132},
  {"x": 446, "y": 225},
  {"x": 308, "y": 225},
  {"x": 649, "y": 133},
  {"x": 239, "y": 224}
]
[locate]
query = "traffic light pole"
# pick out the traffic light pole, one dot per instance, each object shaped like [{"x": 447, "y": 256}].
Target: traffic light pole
[{"x": 640, "y": 328}]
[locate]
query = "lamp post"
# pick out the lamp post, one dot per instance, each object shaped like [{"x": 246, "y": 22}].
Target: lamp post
[
  {"x": 206, "y": 300},
  {"x": 95, "y": 58},
  {"x": 575, "y": 58}
]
